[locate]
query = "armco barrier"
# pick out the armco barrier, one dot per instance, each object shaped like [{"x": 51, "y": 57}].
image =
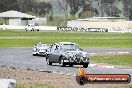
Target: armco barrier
[
  {"x": 48, "y": 28},
  {"x": 120, "y": 30},
  {"x": 70, "y": 29},
  {"x": 23, "y": 27}
]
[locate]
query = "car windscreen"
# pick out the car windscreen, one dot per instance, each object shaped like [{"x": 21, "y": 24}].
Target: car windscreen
[
  {"x": 45, "y": 46},
  {"x": 70, "y": 47}
]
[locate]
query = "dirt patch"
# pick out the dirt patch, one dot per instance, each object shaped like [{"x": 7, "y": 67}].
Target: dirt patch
[{"x": 27, "y": 76}]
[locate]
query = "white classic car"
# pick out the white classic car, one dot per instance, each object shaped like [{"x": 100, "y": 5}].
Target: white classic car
[
  {"x": 40, "y": 49},
  {"x": 32, "y": 27}
]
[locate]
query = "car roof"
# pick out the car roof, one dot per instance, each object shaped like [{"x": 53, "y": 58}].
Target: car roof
[
  {"x": 65, "y": 43},
  {"x": 44, "y": 44}
]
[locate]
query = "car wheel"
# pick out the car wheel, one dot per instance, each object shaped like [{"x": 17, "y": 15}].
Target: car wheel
[
  {"x": 62, "y": 63},
  {"x": 85, "y": 65},
  {"x": 71, "y": 65},
  {"x": 37, "y": 54},
  {"x": 34, "y": 55},
  {"x": 48, "y": 62},
  {"x": 46, "y": 56}
]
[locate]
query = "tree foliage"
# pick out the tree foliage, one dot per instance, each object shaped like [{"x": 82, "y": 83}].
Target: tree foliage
[
  {"x": 39, "y": 8},
  {"x": 8, "y": 5},
  {"x": 118, "y": 8},
  {"x": 113, "y": 8}
]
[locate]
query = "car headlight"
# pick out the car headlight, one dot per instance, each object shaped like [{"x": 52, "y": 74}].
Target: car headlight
[{"x": 85, "y": 55}]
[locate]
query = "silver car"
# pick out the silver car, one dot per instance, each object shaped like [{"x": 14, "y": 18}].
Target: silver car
[
  {"x": 40, "y": 49},
  {"x": 67, "y": 53},
  {"x": 32, "y": 27}
]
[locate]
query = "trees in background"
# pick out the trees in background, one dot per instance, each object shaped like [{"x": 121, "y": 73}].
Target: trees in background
[
  {"x": 79, "y": 8},
  {"x": 8, "y": 5},
  {"x": 75, "y": 8},
  {"x": 28, "y": 6},
  {"x": 87, "y": 8},
  {"x": 116, "y": 8},
  {"x": 39, "y": 8}
]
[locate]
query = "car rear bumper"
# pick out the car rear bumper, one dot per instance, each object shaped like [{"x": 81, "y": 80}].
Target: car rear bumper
[
  {"x": 42, "y": 53},
  {"x": 35, "y": 52}
]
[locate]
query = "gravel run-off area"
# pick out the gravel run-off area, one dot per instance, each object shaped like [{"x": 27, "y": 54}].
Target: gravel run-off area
[{"x": 27, "y": 76}]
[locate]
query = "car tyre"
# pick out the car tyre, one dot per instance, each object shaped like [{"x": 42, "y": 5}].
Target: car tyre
[
  {"x": 85, "y": 65},
  {"x": 46, "y": 56},
  {"x": 62, "y": 64},
  {"x": 48, "y": 62},
  {"x": 34, "y": 54}
]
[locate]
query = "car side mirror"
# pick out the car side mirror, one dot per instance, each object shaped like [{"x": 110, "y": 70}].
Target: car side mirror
[{"x": 81, "y": 49}]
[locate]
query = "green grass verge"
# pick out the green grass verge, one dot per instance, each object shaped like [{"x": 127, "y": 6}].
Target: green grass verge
[
  {"x": 113, "y": 59},
  {"x": 126, "y": 86},
  {"x": 84, "y": 39},
  {"x": 40, "y": 85},
  {"x": 129, "y": 86},
  {"x": 36, "y": 85}
]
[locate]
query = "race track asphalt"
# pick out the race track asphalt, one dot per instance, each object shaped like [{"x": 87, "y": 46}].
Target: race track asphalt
[{"x": 22, "y": 58}]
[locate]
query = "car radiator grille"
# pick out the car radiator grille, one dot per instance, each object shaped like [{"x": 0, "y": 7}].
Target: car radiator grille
[{"x": 77, "y": 58}]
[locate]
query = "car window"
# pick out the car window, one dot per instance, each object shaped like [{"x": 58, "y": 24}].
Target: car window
[
  {"x": 39, "y": 45},
  {"x": 31, "y": 25},
  {"x": 57, "y": 48},
  {"x": 53, "y": 48},
  {"x": 70, "y": 47}
]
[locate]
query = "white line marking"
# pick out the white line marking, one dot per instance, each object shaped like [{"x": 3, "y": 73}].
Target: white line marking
[
  {"x": 67, "y": 69},
  {"x": 108, "y": 66},
  {"x": 120, "y": 52},
  {"x": 127, "y": 52},
  {"x": 91, "y": 53},
  {"x": 54, "y": 72},
  {"x": 61, "y": 73},
  {"x": 68, "y": 74},
  {"x": 123, "y": 52},
  {"x": 100, "y": 65},
  {"x": 110, "y": 52},
  {"x": 73, "y": 75},
  {"x": 92, "y": 65}
]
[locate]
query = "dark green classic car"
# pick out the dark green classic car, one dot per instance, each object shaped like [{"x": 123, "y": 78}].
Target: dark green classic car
[{"x": 67, "y": 53}]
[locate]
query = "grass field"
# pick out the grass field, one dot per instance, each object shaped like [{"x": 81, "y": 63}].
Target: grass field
[
  {"x": 40, "y": 85},
  {"x": 125, "y": 60},
  {"x": 36, "y": 85},
  {"x": 84, "y": 39}
]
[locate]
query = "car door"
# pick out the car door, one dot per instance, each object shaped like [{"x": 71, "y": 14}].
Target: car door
[
  {"x": 52, "y": 52},
  {"x": 56, "y": 55}
]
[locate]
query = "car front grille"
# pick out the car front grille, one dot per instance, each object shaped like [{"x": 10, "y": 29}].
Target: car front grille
[{"x": 77, "y": 58}]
